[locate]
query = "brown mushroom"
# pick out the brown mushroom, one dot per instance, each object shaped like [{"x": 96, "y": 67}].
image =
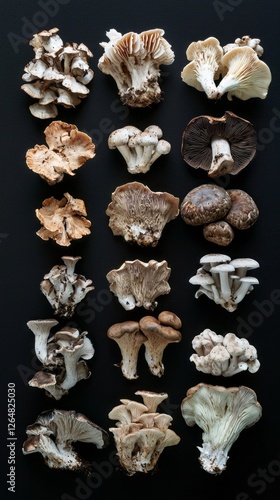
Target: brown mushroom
[
  {"x": 219, "y": 232},
  {"x": 243, "y": 212},
  {"x": 204, "y": 204}
]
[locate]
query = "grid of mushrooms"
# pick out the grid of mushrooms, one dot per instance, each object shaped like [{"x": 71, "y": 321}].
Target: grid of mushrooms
[{"x": 59, "y": 74}]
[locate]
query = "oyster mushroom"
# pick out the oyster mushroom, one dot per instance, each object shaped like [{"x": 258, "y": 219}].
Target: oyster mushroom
[
  {"x": 220, "y": 146},
  {"x": 134, "y": 61},
  {"x": 245, "y": 41},
  {"x": 205, "y": 203},
  {"x": 222, "y": 414},
  {"x": 63, "y": 220},
  {"x": 138, "y": 284},
  {"x": 139, "y": 215},
  {"x": 68, "y": 149},
  {"x": 41, "y": 329},
  {"x": 53, "y": 433}
]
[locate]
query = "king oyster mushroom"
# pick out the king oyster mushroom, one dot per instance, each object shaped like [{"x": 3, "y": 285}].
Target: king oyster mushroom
[
  {"x": 139, "y": 215},
  {"x": 138, "y": 284}
]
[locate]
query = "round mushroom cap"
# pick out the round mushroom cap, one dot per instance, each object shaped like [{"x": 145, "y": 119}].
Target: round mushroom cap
[
  {"x": 243, "y": 212},
  {"x": 204, "y": 204},
  {"x": 240, "y": 134},
  {"x": 219, "y": 232}
]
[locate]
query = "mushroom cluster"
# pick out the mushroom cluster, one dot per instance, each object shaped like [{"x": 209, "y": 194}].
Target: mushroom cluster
[
  {"x": 63, "y": 220},
  {"x": 223, "y": 355},
  {"x": 220, "y": 146},
  {"x": 224, "y": 280},
  {"x": 67, "y": 150},
  {"x": 154, "y": 334},
  {"x": 57, "y": 75},
  {"x": 138, "y": 284},
  {"x": 222, "y": 414},
  {"x": 236, "y": 68},
  {"x": 141, "y": 432},
  {"x": 220, "y": 211},
  {"x": 139, "y": 215},
  {"x": 134, "y": 61},
  {"x": 63, "y": 356},
  {"x": 140, "y": 149},
  {"x": 53, "y": 434},
  {"x": 64, "y": 288}
]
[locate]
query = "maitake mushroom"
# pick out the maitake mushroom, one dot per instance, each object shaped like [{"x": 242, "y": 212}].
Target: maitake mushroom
[
  {"x": 138, "y": 284},
  {"x": 63, "y": 220},
  {"x": 141, "y": 432},
  {"x": 223, "y": 355},
  {"x": 139, "y": 149},
  {"x": 220, "y": 146},
  {"x": 134, "y": 61},
  {"x": 64, "y": 288},
  {"x": 53, "y": 433},
  {"x": 222, "y": 413},
  {"x": 219, "y": 211},
  {"x": 58, "y": 74},
  {"x": 63, "y": 357},
  {"x": 223, "y": 280},
  {"x": 68, "y": 149},
  {"x": 139, "y": 215}
]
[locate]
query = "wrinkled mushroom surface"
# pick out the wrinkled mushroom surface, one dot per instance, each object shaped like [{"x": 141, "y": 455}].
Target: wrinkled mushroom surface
[{"x": 205, "y": 203}]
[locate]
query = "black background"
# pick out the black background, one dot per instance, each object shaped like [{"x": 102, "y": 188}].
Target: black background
[{"x": 254, "y": 465}]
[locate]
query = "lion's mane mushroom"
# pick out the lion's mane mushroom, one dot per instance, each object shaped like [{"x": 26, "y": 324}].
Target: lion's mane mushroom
[
  {"x": 63, "y": 220},
  {"x": 220, "y": 146},
  {"x": 64, "y": 288},
  {"x": 58, "y": 74},
  {"x": 139, "y": 149},
  {"x": 53, "y": 433},
  {"x": 139, "y": 215},
  {"x": 134, "y": 61},
  {"x": 68, "y": 149},
  {"x": 226, "y": 356},
  {"x": 227, "y": 282},
  {"x": 222, "y": 413},
  {"x": 141, "y": 432},
  {"x": 63, "y": 357},
  {"x": 138, "y": 284},
  {"x": 205, "y": 66},
  {"x": 159, "y": 333}
]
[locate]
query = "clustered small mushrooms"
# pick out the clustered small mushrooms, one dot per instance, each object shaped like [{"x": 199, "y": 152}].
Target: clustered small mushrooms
[
  {"x": 134, "y": 61},
  {"x": 53, "y": 434},
  {"x": 138, "y": 284},
  {"x": 64, "y": 288},
  {"x": 140, "y": 149},
  {"x": 63, "y": 220},
  {"x": 67, "y": 150},
  {"x": 154, "y": 334},
  {"x": 223, "y": 355},
  {"x": 236, "y": 68},
  {"x": 57, "y": 75},
  {"x": 139, "y": 214},
  {"x": 222, "y": 414},
  {"x": 220, "y": 211},
  {"x": 220, "y": 146},
  {"x": 63, "y": 356},
  {"x": 141, "y": 432},
  {"x": 225, "y": 280}
]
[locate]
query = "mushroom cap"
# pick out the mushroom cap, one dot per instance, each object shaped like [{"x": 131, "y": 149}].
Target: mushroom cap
[
  {"x": 218, "y": 232},
  {"x": 152, "y": 399},
  {"x": 205, "y": 203},
  {"x": 118, "y": 330},
  {"x": 243, "y": 212},
  {"x": 169, "y": 318},
  {"x": 245, "y": 262},
  {"x": 211, "y": 259},
  {"x": 158, "y": 333},
  {"x": 196, "y": 140}
]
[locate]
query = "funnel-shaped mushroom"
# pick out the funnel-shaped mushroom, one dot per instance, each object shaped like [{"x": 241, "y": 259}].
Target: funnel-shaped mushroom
[{"x": 41, "y": 329}]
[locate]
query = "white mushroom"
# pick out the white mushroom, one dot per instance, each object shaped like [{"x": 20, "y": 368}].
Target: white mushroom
[
  {"x": 245, "y": 41},
  {"x": 41, "y": 329}
]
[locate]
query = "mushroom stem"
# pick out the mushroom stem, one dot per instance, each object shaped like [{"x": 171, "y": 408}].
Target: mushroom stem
[
  {"x": 205, "y": 77},
  {"x": 242, "y": 291},
  {"x": 222, "y": 161}
]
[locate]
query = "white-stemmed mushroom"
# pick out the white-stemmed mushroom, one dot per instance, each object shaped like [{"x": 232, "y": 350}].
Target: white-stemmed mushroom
[{"x": 41, "y": 329}]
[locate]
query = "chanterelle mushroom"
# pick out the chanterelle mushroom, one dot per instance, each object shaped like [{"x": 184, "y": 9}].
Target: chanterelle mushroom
[
  {"x": 68, "y": 149},
  {"x": 53, "y": 433},
  {"x": 220, "y": 146},
  {"x": 63, "y": 220},
  {"x": 134, "y": 61},
  {"x": 139, "y": 149},
  {"x": 139, "y": 215},
  {"x": 141, "y": 432},
  {"x": 222, "y": 413}
]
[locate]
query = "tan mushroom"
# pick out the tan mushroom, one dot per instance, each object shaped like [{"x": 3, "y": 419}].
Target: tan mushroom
[{"x": 243, "y": 212}]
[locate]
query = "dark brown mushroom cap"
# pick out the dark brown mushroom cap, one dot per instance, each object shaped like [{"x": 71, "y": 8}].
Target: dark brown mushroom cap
[
  {"x": 219, "y": 232},
  {"x": 196, "y": 140},
  {"x": 204, "y": 204},
  {"x": 244, "y": 211}
]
